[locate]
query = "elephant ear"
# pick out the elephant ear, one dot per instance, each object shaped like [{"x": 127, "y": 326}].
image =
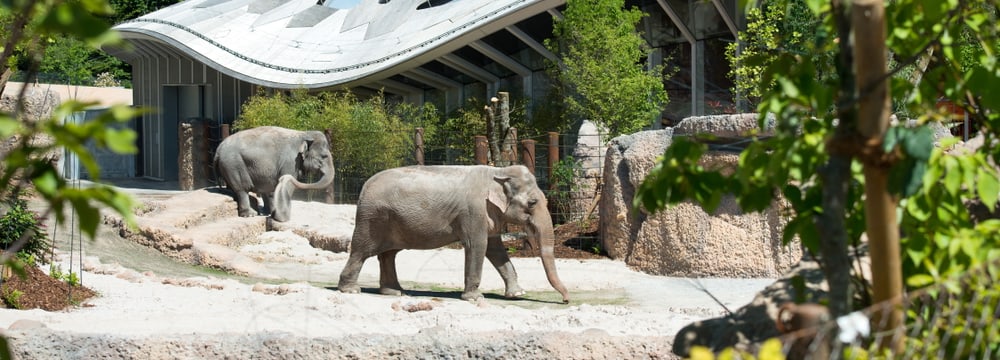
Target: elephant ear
[
  {"x": 306, "y": 143},
  {"x": 496, "y": 195}
]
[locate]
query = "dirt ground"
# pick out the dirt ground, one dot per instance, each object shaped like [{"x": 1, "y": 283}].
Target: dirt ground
[
  {"x": 38, "y": 290},
  {"x": 614, "y": 312}
]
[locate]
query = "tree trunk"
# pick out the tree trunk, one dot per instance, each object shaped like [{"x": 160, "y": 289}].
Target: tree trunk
[
  {"x": 836, "y": 175},
  {"x": 868, "y": 17},
  {"x": 493, "y": 141}
]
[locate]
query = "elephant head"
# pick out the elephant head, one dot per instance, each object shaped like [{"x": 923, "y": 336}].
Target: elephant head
[
  {"x": 314, "y": 156},
  {"x": 522, "y": 202}
]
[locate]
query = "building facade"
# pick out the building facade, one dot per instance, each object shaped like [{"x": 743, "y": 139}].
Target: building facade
[{"x": 199, "y": 60}]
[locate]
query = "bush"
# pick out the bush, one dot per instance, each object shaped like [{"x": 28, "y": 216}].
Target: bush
[
  {"x": 366, "y": 136},
  {"x": 18, "y": 221}
]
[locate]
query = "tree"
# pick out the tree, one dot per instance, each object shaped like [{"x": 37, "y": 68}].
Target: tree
[
  {"x": 24, "y": 161},
  {"x": 777, "y": 25},
  {"x": 601, "y": 66},
  {"x": 820, "y": 145}
]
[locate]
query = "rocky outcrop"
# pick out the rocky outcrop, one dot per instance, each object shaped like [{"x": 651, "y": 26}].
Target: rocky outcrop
[
  {"x": 685, "y": 240},
  {"x": 749, "y": 326},
  {"x": 197, "y": 227},
  {"x": 201, "y": 227}
]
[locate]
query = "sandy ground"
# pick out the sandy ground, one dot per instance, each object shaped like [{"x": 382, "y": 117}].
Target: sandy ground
[{"x": 610, "y": 304}]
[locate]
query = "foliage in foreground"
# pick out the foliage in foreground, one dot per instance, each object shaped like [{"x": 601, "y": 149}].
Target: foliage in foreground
[{"x": 815, "y": 130}]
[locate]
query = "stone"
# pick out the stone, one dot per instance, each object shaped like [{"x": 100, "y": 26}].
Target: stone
[
  {"x": 749, "y": 326},
  {"x": 684, "y": 240},
  {"x": 589, "y": 157}
]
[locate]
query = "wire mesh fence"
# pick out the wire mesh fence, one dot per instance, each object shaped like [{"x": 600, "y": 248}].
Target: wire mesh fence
[
  {"x": 567, "y": 168},
  {"x": 957, "y": 319}
]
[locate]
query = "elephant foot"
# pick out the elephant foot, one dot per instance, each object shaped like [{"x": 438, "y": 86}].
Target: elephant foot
[
  {"x": 349, "y": 289},
  {"x": 472, "y": 296},
  {"x": 390, "y": 291},
  {"x": 514, "y": 293},
  {"x": 247, "y": 213}
]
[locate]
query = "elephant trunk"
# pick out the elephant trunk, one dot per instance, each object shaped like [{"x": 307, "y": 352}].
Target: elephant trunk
[
  {"x": 323, "y": 183},
  {"x": 541, "y": 228}
]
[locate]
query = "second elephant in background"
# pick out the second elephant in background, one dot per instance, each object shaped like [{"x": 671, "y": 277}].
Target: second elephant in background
[{"x": 255, "y": 159}]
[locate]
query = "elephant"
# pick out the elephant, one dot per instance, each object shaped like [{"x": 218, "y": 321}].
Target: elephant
[
  {"x": 426, "y": 207},
  {"x": 254, "y": 160}
]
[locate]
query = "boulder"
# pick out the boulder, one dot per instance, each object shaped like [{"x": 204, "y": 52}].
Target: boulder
[
  {"x": 685, "y": 240},
  {"x": 589, "y": 157}
]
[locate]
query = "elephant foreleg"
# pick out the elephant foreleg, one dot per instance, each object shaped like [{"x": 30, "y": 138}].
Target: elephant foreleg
[
  {"x": 501, "y": 261},
  {"x": 243, "y": 204},
  {"x": 388, "y": 281},
  {"x": 268, "y": 203},
  {"x": 475, "y": 253}
]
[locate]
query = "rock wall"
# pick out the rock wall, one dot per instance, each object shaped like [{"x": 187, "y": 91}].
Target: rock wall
[
  {"x": 38, "y": 105},
  {"x": 685, "y": 240},
  {"x": 193, "y": 161}
]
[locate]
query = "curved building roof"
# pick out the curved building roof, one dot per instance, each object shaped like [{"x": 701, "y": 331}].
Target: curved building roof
[{"x": 299, "y": 43}]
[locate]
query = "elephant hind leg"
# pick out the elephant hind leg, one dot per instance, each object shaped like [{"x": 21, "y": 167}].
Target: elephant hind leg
[
  {"x": 349, "y": 276},
  {"x": 388, "y": 280}
]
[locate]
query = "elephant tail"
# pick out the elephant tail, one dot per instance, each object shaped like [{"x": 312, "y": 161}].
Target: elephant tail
[{"x": 220, "y": 181}]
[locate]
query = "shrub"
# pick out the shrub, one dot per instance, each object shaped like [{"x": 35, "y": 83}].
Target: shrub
[
  {"x": 18, "y": 221},
  {"x": 366, "y": 136}
]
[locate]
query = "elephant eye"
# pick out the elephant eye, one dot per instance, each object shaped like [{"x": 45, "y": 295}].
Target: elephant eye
[{"x": 532, "y": 202}]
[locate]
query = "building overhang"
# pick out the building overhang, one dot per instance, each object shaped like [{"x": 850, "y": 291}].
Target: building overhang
[{"x": 300, "y": 44}]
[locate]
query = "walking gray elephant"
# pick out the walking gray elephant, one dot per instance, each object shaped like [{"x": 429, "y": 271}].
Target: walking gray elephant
[
  {"x": 426, "y": 207},
  {"x": 254, "y": 160}
]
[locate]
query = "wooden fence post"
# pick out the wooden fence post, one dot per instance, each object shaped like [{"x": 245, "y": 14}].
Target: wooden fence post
[
  {"x": 482, "y": 147},
  {"x": 553, "y": 156},
  {"x": 225, "y": 131},
  {"x": 874, "y": 107},
  {"x": 528, "y": 154},
  {"x": 330, "y": 193},
  {"x": 418, "y": 145}
]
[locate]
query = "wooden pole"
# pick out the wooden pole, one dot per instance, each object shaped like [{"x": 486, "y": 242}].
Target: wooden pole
[
  {"x": 482, "y": 147},
  {"x": 528, "y": 154},
  {"x": 418, "y": 145},
  {"x": 330, "y": 194},
  {"x": 868, "y": 19},
  {"x": 553, "y": 156},
  {"x": 225, "y": 131}
]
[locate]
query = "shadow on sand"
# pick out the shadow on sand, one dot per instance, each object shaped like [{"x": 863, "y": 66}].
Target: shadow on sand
[{"x": 457, "y": 295}]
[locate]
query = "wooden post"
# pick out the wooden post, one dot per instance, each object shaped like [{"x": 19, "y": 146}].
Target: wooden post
[
  {"x": 509, "y": 150},
  {"x": 528, "y": 154},
  {"x": 553, "y": 156},
  {"x": 225, "y": 131},
  {"x": 418, "y": 145},
  {"x": 330, "y": 192},
  {"x": 481, "y": 150},
  {"x": 868, "y": 18}
]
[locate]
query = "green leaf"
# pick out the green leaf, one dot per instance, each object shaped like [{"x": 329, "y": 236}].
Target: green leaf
[
  {"x": 919, "y": 143},
  {"x": 987, "y": 186},
  {"x": 46, "y": 182},
  {"x": 8, "y": 126},
  {"x": 919, "y": 280},
  {"x": 121, "y": 141}
]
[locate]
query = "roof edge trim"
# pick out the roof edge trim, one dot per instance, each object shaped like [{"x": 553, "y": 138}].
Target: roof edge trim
[{"x": 357, "y": 66}]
